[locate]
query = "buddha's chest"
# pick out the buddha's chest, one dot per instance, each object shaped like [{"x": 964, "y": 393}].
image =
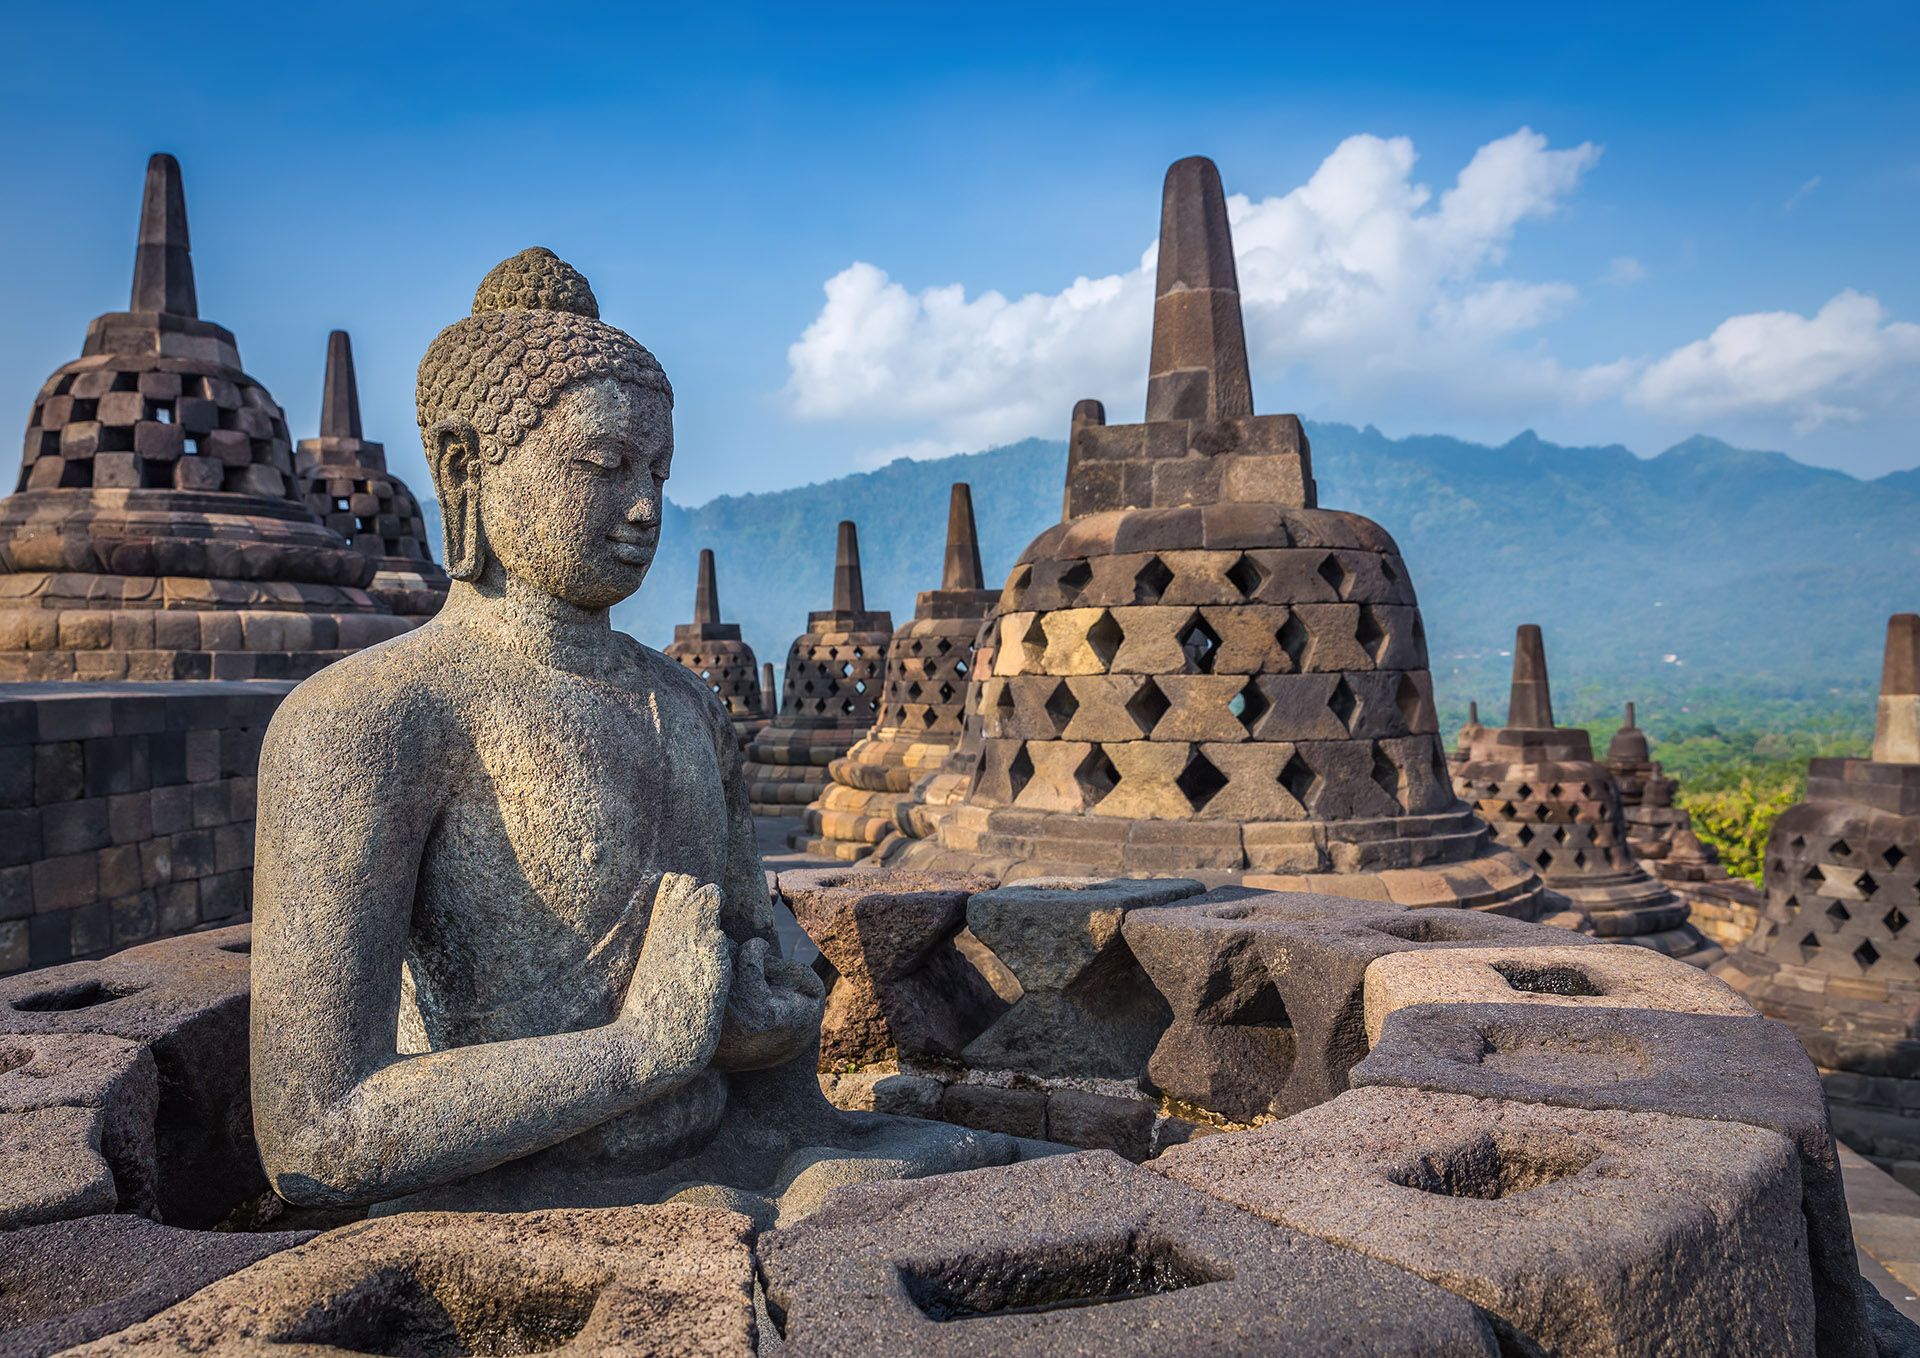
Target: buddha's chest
[{"x": 574, "y": 796}]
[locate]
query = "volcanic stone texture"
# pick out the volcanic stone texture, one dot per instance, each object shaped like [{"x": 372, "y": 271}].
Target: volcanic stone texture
[
  {"x": 629, "y": 1280},
  {"x": 715, "y": 651},
  {"x": 73, "y": 1281},
  {"x": 185, "y": 1001},
  {"x": 1723, "y": 1069},
  {"x": 1267, "y": 989},
  {"x": 77, "y": 1119},
  {"x": 1086, "y": 1007},
  {"x": 344, "y": 479},
  {"x": 829, "y": 695},
  {"x": 126, "y": 813},
  {"x": 158, "y": 530},
  {"x": 1085, "y": 1254},
  {"x": 1577, "y": 1233},
  {"x": 901, "y": 987}
]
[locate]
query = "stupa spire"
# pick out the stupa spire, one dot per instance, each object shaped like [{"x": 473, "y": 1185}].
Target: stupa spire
[
  {"x": 848, "y": 594},
  {"x": 1198, "y": 370},
  {"x": 1630, "y": 716},
  {"x": 162, "y": 264},
  {"x": 1896, "y": 729},
  {"x": 1473, "y": 713},
  {"x": 340, "y": 398},
  {"x": 1530, "y": 704},
  {"x": 769, "y": 691},
  {"x": 706, "y": 591},
  {"x": 963, "y": 542}
]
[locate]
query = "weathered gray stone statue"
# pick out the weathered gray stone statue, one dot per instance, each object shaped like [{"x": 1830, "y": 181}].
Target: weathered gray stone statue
[{"x": 513, "y": 944}]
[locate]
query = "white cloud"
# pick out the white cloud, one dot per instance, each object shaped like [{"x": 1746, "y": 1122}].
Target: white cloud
[
  {"x": 1360, "y": 273},
  {"x": 1810, "y": 369},
  {"x": 1361, "y": 281}
]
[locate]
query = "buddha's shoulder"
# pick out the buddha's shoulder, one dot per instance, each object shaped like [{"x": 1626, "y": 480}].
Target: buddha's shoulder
[{"x": 412, "y": 678}]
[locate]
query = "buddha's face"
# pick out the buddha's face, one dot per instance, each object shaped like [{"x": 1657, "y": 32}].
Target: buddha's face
[{"x": 574, "y": 510}]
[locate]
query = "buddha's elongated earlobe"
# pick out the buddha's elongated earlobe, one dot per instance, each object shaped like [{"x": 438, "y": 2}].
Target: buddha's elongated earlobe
[{"x": 453, "y": 454}]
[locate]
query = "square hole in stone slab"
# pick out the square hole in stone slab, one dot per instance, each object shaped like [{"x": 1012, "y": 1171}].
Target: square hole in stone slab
[
  {"x": 1026, "y": 1282},
  {"x": 1489, "y": 1166}
]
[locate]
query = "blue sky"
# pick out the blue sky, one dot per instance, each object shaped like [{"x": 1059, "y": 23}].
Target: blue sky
[{"x": 1633, "y": 228}]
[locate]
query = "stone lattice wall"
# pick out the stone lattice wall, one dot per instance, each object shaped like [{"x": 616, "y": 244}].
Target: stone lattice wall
[{"x": 126, "y": 813}]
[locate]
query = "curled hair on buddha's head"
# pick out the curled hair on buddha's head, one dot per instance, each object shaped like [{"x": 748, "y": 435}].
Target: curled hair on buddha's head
[{"x": 489, "y": 378}]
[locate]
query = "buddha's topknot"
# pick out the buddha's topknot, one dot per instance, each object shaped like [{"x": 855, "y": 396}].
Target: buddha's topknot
[
  {"x": 536, "y": 280},
  {"x": 535, "y": 331}
]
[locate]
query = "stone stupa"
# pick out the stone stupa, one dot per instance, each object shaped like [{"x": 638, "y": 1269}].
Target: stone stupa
[
  {"x": 345, "y": 480},
  {"x": 1201, "y": 672},
  {"x": 922, "y": 704},
  {"x": 1661, "y": 837},
  {"x": 1834, "y": 955},
  {"x": 158, "y": 531},
  {"x": 829, "y": 696},
  {"x": 1551, "y": 802},
  {"x": 715, "y": 651}
]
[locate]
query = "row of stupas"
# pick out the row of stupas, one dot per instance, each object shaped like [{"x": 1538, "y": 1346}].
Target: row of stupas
[{"x": 165, "y": 527}]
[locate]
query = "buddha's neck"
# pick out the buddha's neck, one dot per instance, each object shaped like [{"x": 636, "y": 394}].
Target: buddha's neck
[{"x": 544, "y": 629}]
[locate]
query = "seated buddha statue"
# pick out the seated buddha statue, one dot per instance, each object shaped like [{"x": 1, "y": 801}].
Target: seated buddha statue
[{"x": 513, "y": 945}]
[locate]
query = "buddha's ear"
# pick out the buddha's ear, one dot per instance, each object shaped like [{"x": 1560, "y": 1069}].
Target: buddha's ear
[{"x": 453, "y": 455}]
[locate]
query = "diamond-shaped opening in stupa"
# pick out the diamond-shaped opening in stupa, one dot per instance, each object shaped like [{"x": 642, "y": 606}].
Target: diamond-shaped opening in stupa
[
  {"x": 1893, "y": 857},
  {"x": 1839, "y": 913},
  {"x": 1370, "y": 634},
  {"x": 1866, "y": 954},
  {"x": 1295, "y": 641},
  {"x": 1334, "y": 574},
  {"x": 1407, "y": 698},
  {"x": 1151, "y": 580},
  {"x": 1199, "y": 643},
  {"x": 1246, "y": 576},
  {"x": 1841, "y": 848},
  {"x": 1060, "y": 706},
  {"x": 1074, "y": 579},
  {"x": 1104, "y": 638},
  {"x": 1343, "y": 703},
  {"x": 1200, "y": 781},
  {"x": 1095, "y": 776},
  {"x": 1300, "y": 781},
  {"x": 1386, "y": 774},
  {"x": 1866, "y": 885},
  {"x": 1249, "y": 705},
  {"x": 1894, "y": 920},
  {"x": 1147, "y": 706},
  {"x": 1019, "y": 771}
]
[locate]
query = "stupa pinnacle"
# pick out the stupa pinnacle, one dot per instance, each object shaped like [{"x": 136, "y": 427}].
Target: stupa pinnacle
[
  {"x": 346, "y": 482},
  {"x": 714, "y": 650},
  {"x": 159, "y": 531},
  {"x": 1201, "y": 672}
]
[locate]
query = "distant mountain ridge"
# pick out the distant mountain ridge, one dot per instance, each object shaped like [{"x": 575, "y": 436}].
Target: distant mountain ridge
[{"x": 1753, "y": 572}]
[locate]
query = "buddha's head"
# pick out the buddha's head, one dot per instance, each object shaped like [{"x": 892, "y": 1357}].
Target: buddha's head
[{"x": 549, "y": 434}]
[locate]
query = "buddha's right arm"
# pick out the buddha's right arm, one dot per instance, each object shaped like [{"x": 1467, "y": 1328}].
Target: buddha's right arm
[{"x": 340, "y": 1116}]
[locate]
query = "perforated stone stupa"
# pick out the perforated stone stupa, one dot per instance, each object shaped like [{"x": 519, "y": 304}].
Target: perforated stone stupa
[
  {"x": 1200, "y": 671},
  {"x": 922, "y": 704},
  {"x": 1550, "y": 801},
  {"x": 1834, "y": 954},
  {"x": 345, "y": 480},
  {"x": 158, "y": 531},
  {"x": 829, "y": 696},
  {"x": 715, "y": 651},
  {"x": 1661, "y": 838}
]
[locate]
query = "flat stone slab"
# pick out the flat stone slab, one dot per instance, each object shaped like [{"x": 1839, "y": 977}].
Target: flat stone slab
[
  {"x": 1708, "y": 1066},
  {"x": 1581, "y": 1233},
  {"x": 628, "y": 1280},
  {"x": 1085, "y": 1254},
  {"x": 76, "y": 1127},
  {"x": 186, "y": 1000},
  {"x": 73, "y": 1281},
  {"x": 1605, "y": 977}
]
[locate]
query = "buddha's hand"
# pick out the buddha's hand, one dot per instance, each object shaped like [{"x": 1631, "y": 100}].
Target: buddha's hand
[
  {"x": 773, "y": 1010},
  {"x": 678, "y": 993}
]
